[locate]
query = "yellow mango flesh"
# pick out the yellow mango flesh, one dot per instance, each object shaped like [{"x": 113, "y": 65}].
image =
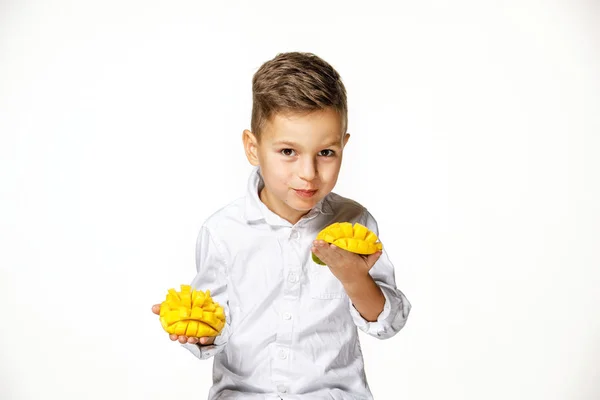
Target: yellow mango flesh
[
  {"x": 191, "y": 313},
  {"x": 356, "y": 238}
]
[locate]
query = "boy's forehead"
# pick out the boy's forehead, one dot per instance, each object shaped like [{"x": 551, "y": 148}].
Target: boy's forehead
[{"x": 321, "y": 124}]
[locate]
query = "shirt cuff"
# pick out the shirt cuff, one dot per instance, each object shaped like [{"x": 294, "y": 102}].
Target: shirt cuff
[
  {"x": 391, "y": 319},
  {"x": 204, "y": 352}
]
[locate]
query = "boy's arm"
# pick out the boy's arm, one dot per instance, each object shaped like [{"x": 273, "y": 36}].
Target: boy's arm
[
  {"x": 212, "y": 275},
  {"x": 396, "y": 306}
]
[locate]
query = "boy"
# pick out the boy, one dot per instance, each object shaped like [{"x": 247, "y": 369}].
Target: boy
[{"x": 291, "y": 329}]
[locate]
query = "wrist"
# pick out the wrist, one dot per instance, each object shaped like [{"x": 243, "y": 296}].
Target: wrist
[{"x": 356, "y": 282}]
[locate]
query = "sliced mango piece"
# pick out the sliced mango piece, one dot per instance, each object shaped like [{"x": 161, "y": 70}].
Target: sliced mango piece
[
  {"x": 356, "y": 238},
  {"x": 179, "y": 328},
  {"x": 205, "y": 330},
  {"x": 192, "y": 328},
  {"x": 192, "y": 313},
  {"x": 198, "y": 299}
]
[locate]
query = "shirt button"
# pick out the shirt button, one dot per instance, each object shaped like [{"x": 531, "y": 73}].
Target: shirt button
[
  {"x": 282, "y": 354},
  {"x": 287, "y": 316},
  {"x": 281, "y": 388},
  {"x": 295, "y": 235},
  {"x": 293, "y": 277}
]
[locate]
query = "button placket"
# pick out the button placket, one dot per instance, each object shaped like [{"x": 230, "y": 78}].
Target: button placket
[
  {"x": 282, "y": 354},
  {"x": 293, "y": 277},
  {"x": 287, "y": 303},
  {"x": 292, "y": 270},
  {"x": 281, "y": 388}
]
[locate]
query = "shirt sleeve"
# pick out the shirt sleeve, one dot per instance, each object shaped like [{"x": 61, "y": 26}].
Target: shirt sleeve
[
  {"x": 211, "y": 274},
  {"x": 396, "y": 308}
]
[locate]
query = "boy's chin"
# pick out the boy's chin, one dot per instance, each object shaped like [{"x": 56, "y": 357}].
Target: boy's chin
[{"x": 303, "y": 205}]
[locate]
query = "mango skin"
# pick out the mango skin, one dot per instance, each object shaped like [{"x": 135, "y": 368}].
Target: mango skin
[
  {"x": 355, "y": 238},
  {"x": 191, "y": 313}
]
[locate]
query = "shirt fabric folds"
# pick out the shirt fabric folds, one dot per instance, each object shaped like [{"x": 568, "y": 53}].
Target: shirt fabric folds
[{"x": 291, "y": 330}]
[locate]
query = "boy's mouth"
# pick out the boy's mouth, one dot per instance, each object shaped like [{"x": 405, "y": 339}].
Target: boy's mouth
[{"x": 305, "y": 193}]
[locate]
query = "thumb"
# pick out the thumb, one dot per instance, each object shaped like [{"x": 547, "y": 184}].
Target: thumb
[
  {"x": 156, "y": 309},
  {"x": 372, "y": 258}
]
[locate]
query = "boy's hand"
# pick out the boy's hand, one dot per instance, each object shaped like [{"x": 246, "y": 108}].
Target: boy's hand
[
  {"x": 345, "y": 265},
  {"x": 206, "y": 340}
]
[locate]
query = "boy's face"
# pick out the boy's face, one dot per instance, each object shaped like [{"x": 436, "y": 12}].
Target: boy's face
[{"x": 300, "y": 156}]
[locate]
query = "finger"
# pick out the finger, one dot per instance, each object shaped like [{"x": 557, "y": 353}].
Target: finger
[
  {"x": 337, "y": 250},
  {"x": 207, "y": 340},
  {"x": 173, "y": 337},
  {"x": 319, "y": 243},
  {"x": 156, "y": 309},
  {"x": 182, "y": 339},
  {"x": 321, "y": 255},
  {"x": 325, "y": 252},
  {"x": 192, "y": 340},
  {"x": 336, "y": 254}
]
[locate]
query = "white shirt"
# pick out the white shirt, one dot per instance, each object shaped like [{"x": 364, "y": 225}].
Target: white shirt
[{"x": 291, "y": 330}]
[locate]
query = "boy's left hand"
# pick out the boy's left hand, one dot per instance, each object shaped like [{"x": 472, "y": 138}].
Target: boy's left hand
[{"x": 345, "y": 265}]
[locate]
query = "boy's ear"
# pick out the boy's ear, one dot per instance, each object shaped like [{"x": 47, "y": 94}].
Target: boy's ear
[
  {"x": 250, "y": 147},
  {"x": 346, "y": 137}
]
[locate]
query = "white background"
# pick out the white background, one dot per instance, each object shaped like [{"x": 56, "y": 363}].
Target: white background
[{"x": 475, "y": 143}]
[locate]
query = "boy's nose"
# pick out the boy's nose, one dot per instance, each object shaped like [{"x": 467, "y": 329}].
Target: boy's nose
[{"x": 308, "y": 169}]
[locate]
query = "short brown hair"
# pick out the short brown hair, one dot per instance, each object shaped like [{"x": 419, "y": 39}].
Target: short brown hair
[{"x": 296, "y": 82}]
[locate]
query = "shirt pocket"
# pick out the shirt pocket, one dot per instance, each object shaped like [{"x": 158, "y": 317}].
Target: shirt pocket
[{"x": 323, "y": 284}]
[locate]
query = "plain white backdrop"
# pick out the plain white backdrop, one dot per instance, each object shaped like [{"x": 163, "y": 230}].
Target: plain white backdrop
[{"x": 475, "y": 143}]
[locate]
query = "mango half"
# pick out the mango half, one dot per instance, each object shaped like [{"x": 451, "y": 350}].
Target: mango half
[
  {"x": 357, "y": 239},
  {"x": 191, "y": 313}
]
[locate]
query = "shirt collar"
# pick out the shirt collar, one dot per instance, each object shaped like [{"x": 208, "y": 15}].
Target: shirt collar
[{"x": 256, "y": 210}]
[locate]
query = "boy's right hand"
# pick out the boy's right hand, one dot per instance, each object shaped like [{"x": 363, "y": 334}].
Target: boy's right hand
[{"x": 206, "y": 340}]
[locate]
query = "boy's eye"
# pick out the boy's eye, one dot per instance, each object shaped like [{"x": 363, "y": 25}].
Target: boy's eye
[
  {"x": 287, "y": 152},
  {"x": 328, "y": 153}
]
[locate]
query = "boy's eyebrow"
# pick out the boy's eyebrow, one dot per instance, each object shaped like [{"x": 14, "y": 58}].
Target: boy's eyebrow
[
  {"x": 288, "y": 143},
  {"x": 333, "y": 144}
]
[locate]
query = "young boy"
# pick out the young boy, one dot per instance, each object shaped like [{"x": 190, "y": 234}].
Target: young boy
[{"x": 291, "y": 330}]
